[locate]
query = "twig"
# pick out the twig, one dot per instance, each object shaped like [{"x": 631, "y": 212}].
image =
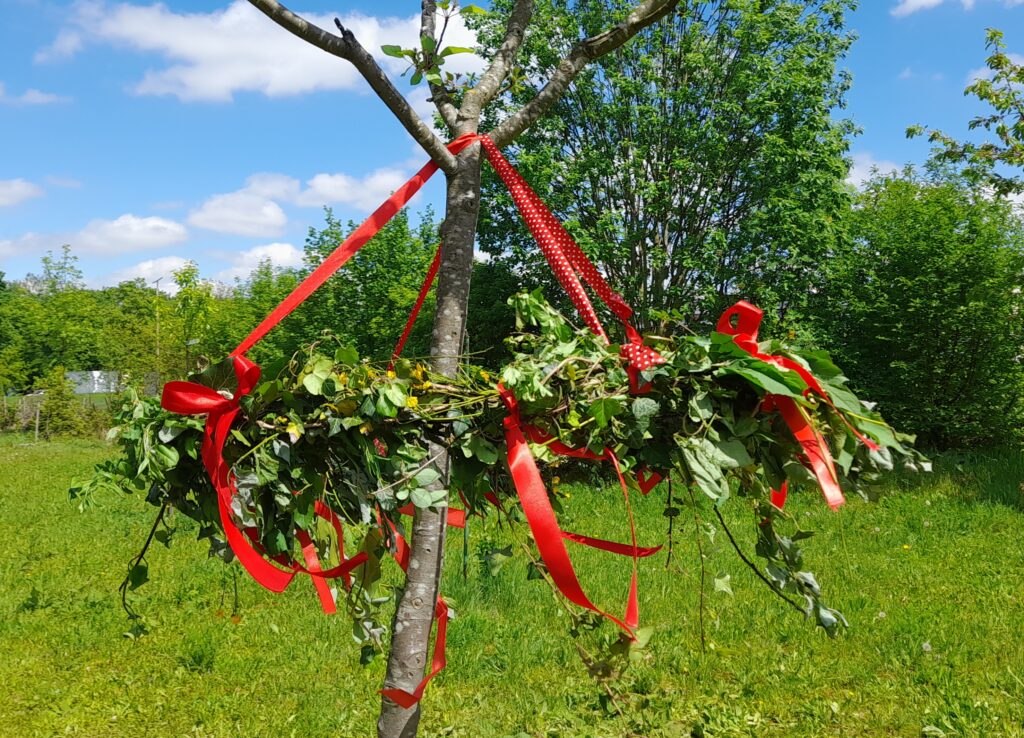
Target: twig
[{"x": 753, "y": 567}]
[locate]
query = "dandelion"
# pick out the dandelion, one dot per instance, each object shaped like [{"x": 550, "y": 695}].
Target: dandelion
[
  {"x": 412, "y": 401},
  {"x": 906, "y": 546},
  {"x": 391, "y": 374}
]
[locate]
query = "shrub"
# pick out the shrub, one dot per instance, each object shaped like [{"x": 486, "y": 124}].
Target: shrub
[{"x": 925, "y": 308}]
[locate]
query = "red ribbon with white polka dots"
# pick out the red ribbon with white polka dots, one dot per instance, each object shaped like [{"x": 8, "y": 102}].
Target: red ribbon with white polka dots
[{"x": 572, "y": 267}]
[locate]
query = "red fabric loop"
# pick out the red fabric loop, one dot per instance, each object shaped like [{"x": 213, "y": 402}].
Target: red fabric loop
[{"x": 817, "y": 455}]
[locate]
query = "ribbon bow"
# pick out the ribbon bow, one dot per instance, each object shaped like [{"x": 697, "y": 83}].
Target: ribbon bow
[
  {"x": 817, "y": 455},
  {"x": 189, "y": 398}
]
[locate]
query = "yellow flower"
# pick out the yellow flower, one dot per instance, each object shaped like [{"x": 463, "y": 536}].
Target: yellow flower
[
  {"x": 555, "y": 480},
  {"x": 366, "y": 428},
  {"x": 485, "y": 376},
  {"x": 425, "y": 385},
  {"x": 417, "y": 373},
  {"x": 906, "y": 546},
  {"x": 391, "y": 374},
  {"x": 411, "y": 401}
]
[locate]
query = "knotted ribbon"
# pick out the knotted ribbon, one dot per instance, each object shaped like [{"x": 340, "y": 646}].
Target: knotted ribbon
[{"x": 190, "y": 398}]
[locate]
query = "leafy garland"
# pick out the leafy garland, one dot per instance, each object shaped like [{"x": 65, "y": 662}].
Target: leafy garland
[{"x": 357, "y": 437}]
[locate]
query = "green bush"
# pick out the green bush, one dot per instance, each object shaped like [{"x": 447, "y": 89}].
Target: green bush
[
  {"x": 925, "y": 308},
  {"x": 61, "y": 413}
]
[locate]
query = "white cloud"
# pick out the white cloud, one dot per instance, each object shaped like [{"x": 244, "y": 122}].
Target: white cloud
[
  {"x": 66, "y": 45},
  {"x": 907, "y": 73},
  {"x": 366, "y": 193},
  {"x": 212, "y": 56},
  {"x": 244, "y": 262},
  {"x": 249, "y": 211},
  {"x": 255, "y": 210},
  {"x": 124, "y": 235},
  {"x": 128, "y": 233},
  {"x": 14, "y": 191},
  {"x": 864, "y": 165},
  {"x": 30, "y": 97},
  {"x": 150, "y": 270}
]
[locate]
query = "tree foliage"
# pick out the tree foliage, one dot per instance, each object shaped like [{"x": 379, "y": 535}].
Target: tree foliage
[
  {"x": 925, "y": 308},
  {"x": 697, "y": 164},
  {"x": 1001, "y": 88}
]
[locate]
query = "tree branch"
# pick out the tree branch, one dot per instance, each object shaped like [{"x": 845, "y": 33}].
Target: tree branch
[
  {"x": 584, "y": 52},
  {"x": 490, "y": 82},
  {"x": 347, "y": 47},
  {"x": 442, "y": 100}
]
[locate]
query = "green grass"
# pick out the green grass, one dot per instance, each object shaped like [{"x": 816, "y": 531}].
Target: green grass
[{"x": 931, "y": 580}]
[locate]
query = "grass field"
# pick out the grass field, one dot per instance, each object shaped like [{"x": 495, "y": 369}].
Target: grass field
[{"x": 931, "y": 580}]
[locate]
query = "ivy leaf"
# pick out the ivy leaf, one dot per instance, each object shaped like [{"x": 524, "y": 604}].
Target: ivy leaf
[
  {"x": 705, "y": 473},
  {"x": 281, "y": 450},
  {"x": 483, "y": 449},
  {"x": 604, "y": 409},
  {"x": 346, "y": 355},
  {"x": 722, "y": 583}
]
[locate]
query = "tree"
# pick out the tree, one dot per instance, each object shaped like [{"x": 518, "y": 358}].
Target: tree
[
  {"x": 460, "y": 111},
  {"x": 698, "y": 165},
  {"x": 1002, "y": 88},
  {"x": 925, "y": 309},
  {"x": 193, "y": 304},
  {"x": 367, "y": 306},
  {"x": 60, "y": 273}
]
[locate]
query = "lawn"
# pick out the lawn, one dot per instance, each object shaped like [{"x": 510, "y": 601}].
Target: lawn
[{"x": 931, "y": 579}]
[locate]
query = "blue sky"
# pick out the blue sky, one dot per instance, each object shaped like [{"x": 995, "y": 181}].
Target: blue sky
[{"x": 144, "y": 135}]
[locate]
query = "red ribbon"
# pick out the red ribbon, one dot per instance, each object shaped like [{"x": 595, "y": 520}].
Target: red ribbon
[
  {"x": 817, "y": 455},
  {"x": 189, "y": 398},
  {"x": 543, "y": 523}
]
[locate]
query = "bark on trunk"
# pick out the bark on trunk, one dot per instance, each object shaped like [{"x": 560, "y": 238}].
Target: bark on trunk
[{"x": 410, "y": 641}]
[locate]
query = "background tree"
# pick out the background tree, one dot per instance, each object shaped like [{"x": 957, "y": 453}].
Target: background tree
[
  {"x": 699, "y": 164},
  {"x": 192, "y": 304},
  {"x": 925, "y": 309},
  {"x": 1002, "y": 89}
]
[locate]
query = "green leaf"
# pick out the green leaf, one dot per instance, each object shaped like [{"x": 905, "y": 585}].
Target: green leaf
[
  {"x": 604, "y": 409},
  {"x": 473, "y": 10},
  {"x": 722, "y": 583},
  {"x": 449, "y": 50},
  {"x": 417, "y": 77},
  {"x": 346, "y": 355},
  {"x": 732, "y": 454},
  {"x": 426, "y": 477},
  {"x": 483, "y": 449},
  {"x": 395, "y": 51},
  {"x": 281, "y": 450},
  {"x": 705, "y": 473},
  {"x": 313, "y": 383}
]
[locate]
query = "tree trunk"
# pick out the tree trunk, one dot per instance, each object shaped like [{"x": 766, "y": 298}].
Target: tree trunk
[{"x": 414, "y": 616}]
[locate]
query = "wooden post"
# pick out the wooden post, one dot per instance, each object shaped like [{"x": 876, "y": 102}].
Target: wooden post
[{"x": 38, "y": 407}]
